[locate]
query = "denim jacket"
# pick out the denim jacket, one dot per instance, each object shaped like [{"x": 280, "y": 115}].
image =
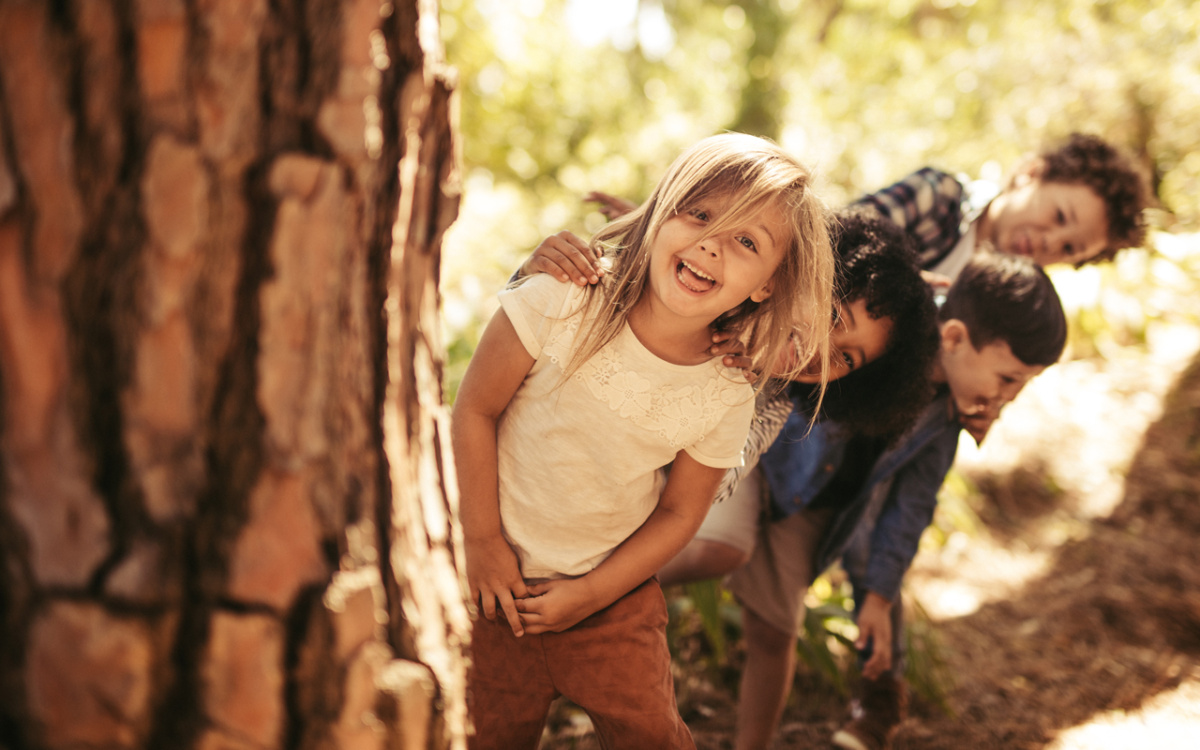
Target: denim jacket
[{"x": 898, "y": 498}]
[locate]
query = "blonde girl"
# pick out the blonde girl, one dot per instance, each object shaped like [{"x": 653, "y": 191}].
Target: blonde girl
[{"x": 577, "y": 396}]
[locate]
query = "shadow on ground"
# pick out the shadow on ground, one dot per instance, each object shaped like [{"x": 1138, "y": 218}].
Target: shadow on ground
[{"x": 1114, "y": 621}]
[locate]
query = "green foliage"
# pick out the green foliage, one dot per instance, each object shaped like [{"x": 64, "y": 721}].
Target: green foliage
[
  {"x": 705, "y": 616},
  {"x": 556, "y": 102},
  {"x": 706, "y": 597},
  {"x": 1143, "y": 299},
  {"x": 927, "y": 671},
  {"x": 956, "y": 510},
  {"x": 827, "y": 644}
]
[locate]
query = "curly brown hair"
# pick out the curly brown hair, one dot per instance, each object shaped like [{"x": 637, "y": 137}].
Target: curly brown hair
[{"x": 1090, "y": 160}]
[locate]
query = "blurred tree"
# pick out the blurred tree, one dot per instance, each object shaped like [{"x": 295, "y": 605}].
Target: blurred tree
[{"x": 221, "y": 430}]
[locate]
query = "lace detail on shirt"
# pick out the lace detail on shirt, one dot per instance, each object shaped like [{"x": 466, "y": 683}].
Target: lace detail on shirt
[{"x": 680, "y": 416}]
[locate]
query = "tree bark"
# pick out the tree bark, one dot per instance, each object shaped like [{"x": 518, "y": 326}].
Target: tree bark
[{"x": 227, "y": 511}]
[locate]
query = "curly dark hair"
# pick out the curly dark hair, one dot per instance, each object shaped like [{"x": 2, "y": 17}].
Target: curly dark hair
[
  {"x": 877, "y": 262},
  {"x": 1090, "y": 160}
]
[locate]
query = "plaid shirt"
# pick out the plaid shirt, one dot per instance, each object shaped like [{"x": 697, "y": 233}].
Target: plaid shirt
[{"x": 931, "y": 205}]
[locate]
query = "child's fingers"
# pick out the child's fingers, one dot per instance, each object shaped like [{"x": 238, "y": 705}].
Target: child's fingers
[
  {"x": 936, "y": 280},
  {"x": 725, "y": 344},
  {"x": 566, "y": 257},
  {"x": 534, "y": 619},
  {"x": 487, "y": 603},
  {"x": 580, "y": 254},
  {"x": 519, "y": 590},
  {"x": 880, "y": 662},
  {"x": 536, "y": 589},
  {"x": 538, "y": 627},
  {"x": 740, "y": 361},
  {"x": 509, "y": 607},
  {"x": 610, "y": 205},
  {"x": 530, "y": 611}
]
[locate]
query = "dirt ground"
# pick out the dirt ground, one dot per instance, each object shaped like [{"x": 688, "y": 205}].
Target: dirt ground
[{"x": 1067, "y": 611}]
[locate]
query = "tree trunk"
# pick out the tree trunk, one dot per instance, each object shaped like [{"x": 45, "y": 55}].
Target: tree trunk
[{"x": 227, "y": 512}]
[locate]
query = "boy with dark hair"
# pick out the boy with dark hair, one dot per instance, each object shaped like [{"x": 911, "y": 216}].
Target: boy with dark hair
[
  {"x": 1002, "y": 324},
  {"x": 1077, "y": 203}
]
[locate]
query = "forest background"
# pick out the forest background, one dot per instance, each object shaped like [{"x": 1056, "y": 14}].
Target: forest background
[{"x": 561, "y": 97}]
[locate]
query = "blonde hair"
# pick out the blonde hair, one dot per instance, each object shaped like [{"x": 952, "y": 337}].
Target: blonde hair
[{"x": 751, "y": 174}]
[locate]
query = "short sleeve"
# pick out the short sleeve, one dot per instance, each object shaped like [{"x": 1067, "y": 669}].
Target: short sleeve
[
  {"x": 722, "y": 447},
  {"x": 536, "y": 305}
]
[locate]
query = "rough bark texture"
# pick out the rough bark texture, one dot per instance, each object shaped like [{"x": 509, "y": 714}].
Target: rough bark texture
[{"x": 227, "y": 515}]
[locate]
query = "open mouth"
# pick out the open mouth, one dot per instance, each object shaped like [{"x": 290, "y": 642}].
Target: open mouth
[
  {"x": 693, "y": 278},
  {"x": 979, "y": 407}
]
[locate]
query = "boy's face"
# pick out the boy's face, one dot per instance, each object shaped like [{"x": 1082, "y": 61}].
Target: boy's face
[
  {"x": 983, "y": 379},
  {"x": 1052, "y": 222}
]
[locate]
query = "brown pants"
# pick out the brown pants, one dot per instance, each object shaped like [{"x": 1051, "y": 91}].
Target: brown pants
[{"x": 615, "y": 665}]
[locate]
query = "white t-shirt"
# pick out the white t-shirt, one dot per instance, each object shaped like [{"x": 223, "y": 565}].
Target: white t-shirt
[{"x": 579, "y": 459}]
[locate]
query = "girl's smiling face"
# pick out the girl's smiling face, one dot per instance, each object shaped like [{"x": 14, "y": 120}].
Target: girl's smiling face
[
  {"x": 856, "y": 339},
  {"x": 699, "y": 276}
]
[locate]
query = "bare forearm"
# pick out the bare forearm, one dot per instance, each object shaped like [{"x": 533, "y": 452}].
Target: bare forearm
[
  {"x": 473, "y": 436},
  {"x": 496, "y": 371},
  {"x": 681, "y": 509},
  {"x": 652, "y": 546}
]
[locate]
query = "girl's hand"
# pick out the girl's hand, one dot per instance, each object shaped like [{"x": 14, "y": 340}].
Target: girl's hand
[
  {"x": 494, "y": 575},
  {"x": 556, "y": 605},
  {"x": 610, "y": 205},
  {"x": 565, "y": 257}
]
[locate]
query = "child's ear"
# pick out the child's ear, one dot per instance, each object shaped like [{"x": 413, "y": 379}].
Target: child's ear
[
  {"x": 954, "y": 334},
  {"x": 764, "y": 291},
  {"x": 1030, "y": 168}
]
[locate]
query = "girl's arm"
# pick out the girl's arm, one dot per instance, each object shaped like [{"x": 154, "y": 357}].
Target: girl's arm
[
  {"x": 496, "y": 371},
  {"x": 557, "y": 605}
]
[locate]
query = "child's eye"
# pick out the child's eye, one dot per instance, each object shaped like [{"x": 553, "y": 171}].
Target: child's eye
[
  {"x": 699, "y": 213},
  {"x": 839, "y": 359},
  {"x": 748, "y": 243}
]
